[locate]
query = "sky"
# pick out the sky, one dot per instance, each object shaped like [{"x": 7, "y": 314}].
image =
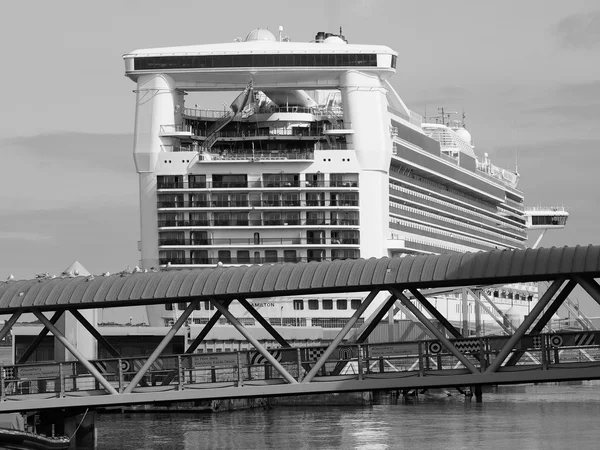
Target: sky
[{"x": 526, "y": 73}]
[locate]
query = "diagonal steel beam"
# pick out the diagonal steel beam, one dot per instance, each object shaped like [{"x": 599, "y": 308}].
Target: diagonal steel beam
[
  {"x": 527, "y": 322},
  {"x": 69, "y": 346},
  {"x": 194, "y": 345},
  {"x": 498, "y": 310},
  {"x": 547, "y": 316},
  {"x": 435, "y": 313},
  {"x": 544, "y": 319},
  {"x": 505, "y": 328},
  {"x": 356, "y": 332},
  {"x": 262, "y": 350},
  {"x": 99, "y": 338},
  {"x": 437, "y": 333},
  {"x": 381, "y": 312},
  {"x": 265, "y": 323},
  {"x": 340, "y": 336},
  {"x": 590, "y": 285},
  {"x": 38, "y": 340},
  {"x": 206, "y": 329},
  {"x": 163, "y": 344},
  {"x": 9, "y": 324}
]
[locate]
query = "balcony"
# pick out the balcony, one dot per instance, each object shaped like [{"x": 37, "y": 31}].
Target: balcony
[
  {"x": 299, "y": 155},
  {"x": 250, "y": 260},
  {"x": 350, "y": 185},
  {"x": 256, "y": 223},
  {"x": 275, "y": 203},
  {"x": 258, "y": 241},
  {"x": 175, "y": 130}
]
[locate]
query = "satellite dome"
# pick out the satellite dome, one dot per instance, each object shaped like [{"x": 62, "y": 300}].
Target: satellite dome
[
  {"x": 260, "y": 35},
  {"x": 464, "y": 135},
  {"x": 334, "y": 40}
]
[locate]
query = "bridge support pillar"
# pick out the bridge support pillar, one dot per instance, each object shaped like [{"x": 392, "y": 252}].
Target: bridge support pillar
[{"x": 478, "y": 390}]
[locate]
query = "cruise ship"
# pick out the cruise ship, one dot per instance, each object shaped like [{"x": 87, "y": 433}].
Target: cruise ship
[{"x": 313, "y": 156}]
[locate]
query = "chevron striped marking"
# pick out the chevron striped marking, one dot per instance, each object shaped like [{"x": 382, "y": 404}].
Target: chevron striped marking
[
  {"x": 467, "y": 346},
  {"x": 584, "y": 339}
]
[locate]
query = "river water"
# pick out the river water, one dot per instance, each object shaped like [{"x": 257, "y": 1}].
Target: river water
[{"x": 519, "y": 417}]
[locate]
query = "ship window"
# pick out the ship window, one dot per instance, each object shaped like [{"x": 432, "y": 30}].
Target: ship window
[
  {"x": 327, "y": 304},
  {"x": 243, "y": 257},
  {"x": 172, "y": 256},
  {"x": 355, "y": 304},
  {"x": 224, "y": 256},
  {"x": 289, "y": 256},
  {"x": 169, "y": 181},
  {"x": 315, "y": 255},
  {"x": 341, "y": 304},
  {"x": 230, "y": 181},
  {"x": 345, "y": 237},
  {"x": 298, "y": 305},
  {"x": 181, "y": 306},
  {"x": 171, "y": 238},
  {"x": 313, "y": 304},
  {"x": 199, "y": 256},
  {"x": 270, "y": 256},
  {"x": 208, "y": 305},
  {"x": 197, "y": 181},
  {"x": 169, "y": 306},
  {"x": 345, "y": 254},
  {"x": 277, "y": 60}
]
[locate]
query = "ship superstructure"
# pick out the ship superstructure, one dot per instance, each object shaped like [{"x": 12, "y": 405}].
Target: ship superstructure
[{"x": 313, "y": 157}]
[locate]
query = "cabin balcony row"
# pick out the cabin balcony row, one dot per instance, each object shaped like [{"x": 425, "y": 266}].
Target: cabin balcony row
[
  {"x": 288, "y": 182},
  {"x": 318, "y": 112},
  {"x": 264, "y": 222},
  {"x": 452, "y": 209},
  {"x": 455, "y": 226},
  {"x": 271, "y": 256},
  {"x": 257, "y": 204},
  {"x": 438, "y": 234},
  {"x": 296, "y": 132},
  {"x": 262, "y": 241}
]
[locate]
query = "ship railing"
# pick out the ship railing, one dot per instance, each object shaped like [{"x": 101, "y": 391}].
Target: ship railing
[
  {"x": 545, "y": 208},
  {"x": 244, "y": 260},
  {"x": 175, "y": 128},
  {"x": 256, "y": 222},
  {"x": 265, "y": 222},
  {"x": 179, "y": 148},
  {"x": 257, "y": 156},
  {"x": 278, "y": 203},
  {"x": 260, "y": 241},
  {"x": 204, "y": 113},
  {"x": 273, "y": 109},
  {"x": 343, "y": 184}
]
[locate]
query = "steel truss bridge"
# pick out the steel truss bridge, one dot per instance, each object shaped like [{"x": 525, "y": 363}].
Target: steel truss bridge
[{"x": 348, "y": 363}]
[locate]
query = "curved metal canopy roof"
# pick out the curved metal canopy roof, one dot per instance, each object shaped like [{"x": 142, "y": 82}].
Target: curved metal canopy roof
[{"x": 447, "y": 270}]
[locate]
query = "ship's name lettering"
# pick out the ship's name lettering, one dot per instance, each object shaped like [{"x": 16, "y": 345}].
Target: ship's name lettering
[{"x": 262, "y": 305}]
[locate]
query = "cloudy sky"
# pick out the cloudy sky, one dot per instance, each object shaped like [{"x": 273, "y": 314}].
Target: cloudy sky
[{"x": 527, "y": 74}]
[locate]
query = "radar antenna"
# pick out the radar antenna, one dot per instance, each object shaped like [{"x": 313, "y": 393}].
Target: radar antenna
[{"x": 444, "y": 116}]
